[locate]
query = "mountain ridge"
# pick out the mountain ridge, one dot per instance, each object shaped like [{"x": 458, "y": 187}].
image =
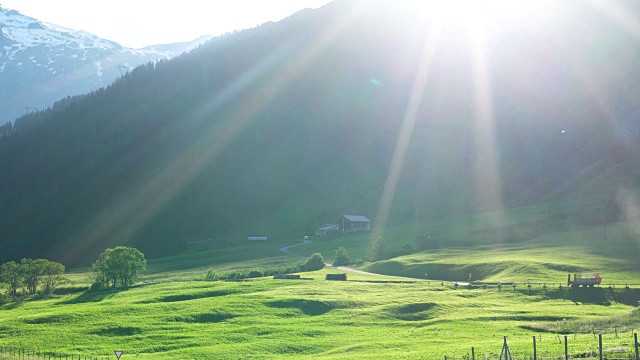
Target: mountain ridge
[
  {"x": 280, "y": 128},
  {"x": 41, "y": 63}
]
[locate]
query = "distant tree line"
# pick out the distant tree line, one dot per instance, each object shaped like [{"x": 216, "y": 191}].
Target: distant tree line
[{"x": 27, "y": 276}]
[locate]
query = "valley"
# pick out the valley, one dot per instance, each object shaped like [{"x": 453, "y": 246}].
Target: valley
[
  {"x": 173, "y": 313},
  {"x": 193, "y": 201}
]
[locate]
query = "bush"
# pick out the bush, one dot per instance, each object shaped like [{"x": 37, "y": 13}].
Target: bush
[
  {"x": 342, "y": 257},
  {"x": 236, "y": 275},
  {"x": 255, "y": 274},
  {"x": 211, "y": 275},
  {"x": 314, "y": 262},
  {"x": 380, "y": 251}
]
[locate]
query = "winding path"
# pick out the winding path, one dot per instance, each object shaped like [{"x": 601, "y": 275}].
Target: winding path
[{"x": 286, "y": 250}]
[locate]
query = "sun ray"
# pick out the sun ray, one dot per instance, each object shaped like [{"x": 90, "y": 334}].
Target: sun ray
[
  {"x": 124, "y": 217},
  {"x": 487, "y": 171},
  {"x": 623, "y": 17},
  {"x": 406, "y": 130}
]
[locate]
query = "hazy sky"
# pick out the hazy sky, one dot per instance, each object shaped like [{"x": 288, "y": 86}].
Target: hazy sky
[{"x": 137, "y": 23}]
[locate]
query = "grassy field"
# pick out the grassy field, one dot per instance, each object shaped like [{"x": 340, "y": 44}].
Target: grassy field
[
  {"x": 293, "y": 319},
  {"x": 173, "y": 314}
]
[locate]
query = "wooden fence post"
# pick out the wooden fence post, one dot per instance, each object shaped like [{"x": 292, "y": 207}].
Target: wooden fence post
[
  {"x": 566, "y": 348},
  {"x": 600, "y": 345},
  {"x": 635, "y": 344},
  {"x": 535, "y": 350}
]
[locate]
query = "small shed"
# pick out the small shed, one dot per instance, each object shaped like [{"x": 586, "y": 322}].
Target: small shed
[
  {"x": 338, "y": 277},
  {"x": 257, "y": 238},
  {"x": 352, "y": 223},
  {"x": 327, "y": 229}
]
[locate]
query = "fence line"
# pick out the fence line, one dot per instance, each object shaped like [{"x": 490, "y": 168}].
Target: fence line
[
  {"x": 18, "y": 353},
  {"x": 552, "y": 347},
  {"x": 557, "y": 347}
]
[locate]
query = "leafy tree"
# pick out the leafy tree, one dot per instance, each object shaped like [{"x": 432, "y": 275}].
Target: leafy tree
[
  {"x": 342, "y": 257},
  {"x": 119, "y": 266},
  {"x": 52, "y": 274},
  {"x": 32, "y": 273},
  {"x": 314, "y": 262},
  {"x": 380, "y": 250},
  {"x": 11, "y": 275}
]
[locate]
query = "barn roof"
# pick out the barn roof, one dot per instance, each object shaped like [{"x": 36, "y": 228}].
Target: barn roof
[{"x": 356, "y": 218}]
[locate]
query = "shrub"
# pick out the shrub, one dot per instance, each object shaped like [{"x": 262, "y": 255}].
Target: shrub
[
  {"x": 255, "y": 274},
  {"x": 342, "y": 257},
  {"x": 380, "y": 251},
  {"x": 236, "y": 275},
  {"x": 314, "y": 262},
  {"x": 211, "y": 275}
]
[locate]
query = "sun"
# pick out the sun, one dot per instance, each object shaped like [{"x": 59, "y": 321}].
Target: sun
[{"x": 473, "y": 13}]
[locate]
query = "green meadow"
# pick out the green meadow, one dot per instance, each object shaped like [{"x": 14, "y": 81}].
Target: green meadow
[{"x": 172, "y": 313}]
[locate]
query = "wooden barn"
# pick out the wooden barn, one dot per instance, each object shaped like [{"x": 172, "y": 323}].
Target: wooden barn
[{"x": 352, "y": 223}]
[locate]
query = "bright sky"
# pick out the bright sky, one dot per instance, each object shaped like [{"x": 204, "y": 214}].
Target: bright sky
[{"x": 138, "y": 23}]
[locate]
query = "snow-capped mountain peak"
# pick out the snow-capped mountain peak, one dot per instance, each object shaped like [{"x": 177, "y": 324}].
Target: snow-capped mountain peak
[{"x": 41, "y": 62}]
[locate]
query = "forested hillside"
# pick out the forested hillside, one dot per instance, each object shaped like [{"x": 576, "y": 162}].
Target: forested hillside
[{"x": 357, "y": 107}]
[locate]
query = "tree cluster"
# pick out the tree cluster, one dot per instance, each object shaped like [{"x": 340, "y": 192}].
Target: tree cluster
[
  {"x": 29, "y": 275},
  {"x": 118, "y": 267}
]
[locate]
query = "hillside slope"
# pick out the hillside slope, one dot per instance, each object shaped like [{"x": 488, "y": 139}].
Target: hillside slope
[
  {"x": 41, "y": 63},
  {"x": 344, "y": 109}
]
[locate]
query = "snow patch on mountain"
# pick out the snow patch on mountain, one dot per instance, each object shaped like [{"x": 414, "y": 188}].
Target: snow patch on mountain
[
  {"x": 41, "y": 63},
  {"x": 98, "y": 65}
]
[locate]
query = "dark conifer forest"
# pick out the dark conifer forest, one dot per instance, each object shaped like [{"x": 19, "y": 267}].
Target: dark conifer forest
[{"x": 349, "y": 108}]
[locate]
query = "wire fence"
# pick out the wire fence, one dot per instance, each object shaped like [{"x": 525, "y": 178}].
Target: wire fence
[
  {"x": 620, "y": 346},
  {"x": 18, "y": 353}
]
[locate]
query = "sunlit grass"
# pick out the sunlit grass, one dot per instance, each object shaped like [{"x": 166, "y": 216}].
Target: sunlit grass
[
  {"x": 173, "y": 314},
  {"x": 290, "y": 319}
]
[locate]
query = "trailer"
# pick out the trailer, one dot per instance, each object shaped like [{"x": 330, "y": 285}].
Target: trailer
[{"x": 585, "y": 280}]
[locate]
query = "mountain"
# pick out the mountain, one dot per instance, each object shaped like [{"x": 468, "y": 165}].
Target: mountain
[
  {"x": 354, "y": 108},
  {"x": 41, "y": 63}
]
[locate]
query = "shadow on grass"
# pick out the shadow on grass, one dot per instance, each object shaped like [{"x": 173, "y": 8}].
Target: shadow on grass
[
  {"x": 598, "y": 296},
  {"x": 308, "y": 307},
  {"x": 414, "y": 312},
  {"x": 90, "y": 296},
  {"x": 118, "y": 331},
  {"x": 11, "y": 305},
  {"x": 187, "y": 297},
  {"x": 70, "y": 290},
  {"x": 206, "y": 318}
]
